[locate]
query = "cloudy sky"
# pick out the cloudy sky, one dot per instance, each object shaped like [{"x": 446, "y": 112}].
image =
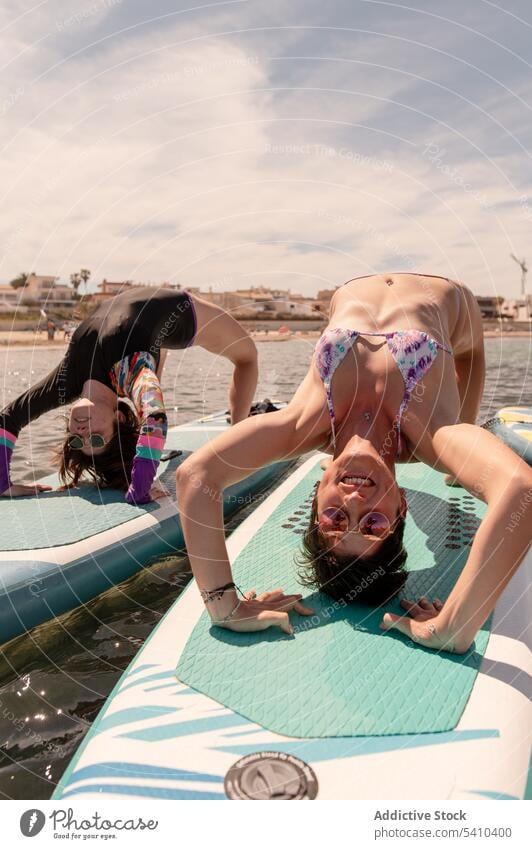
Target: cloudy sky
[{"x": 265, "y": 142}]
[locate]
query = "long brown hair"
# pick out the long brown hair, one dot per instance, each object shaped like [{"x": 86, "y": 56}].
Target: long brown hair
[
  {"x": 369, "y": 580},
  {"x": 111, "y": 468}
]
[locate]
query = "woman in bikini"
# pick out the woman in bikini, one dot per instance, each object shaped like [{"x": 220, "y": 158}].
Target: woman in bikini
[
  {"x": 117, "y": 354},
  {"x": 397, "y": 376}
]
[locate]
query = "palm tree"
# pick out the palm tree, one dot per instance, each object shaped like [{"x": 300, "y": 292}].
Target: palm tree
[
  {"x": 75, "y": 280},
  {"x": 85, "y": 276},
  {"x": 21, "y": 281}
]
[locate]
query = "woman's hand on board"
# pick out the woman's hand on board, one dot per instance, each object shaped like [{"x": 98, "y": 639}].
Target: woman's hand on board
[
  {"x": 18, "y": 489},
  {"x": 421, "y": 625},
  {"x": 158, "y": 490},
  {"x": 423, "y": 609},
  {"x": 270, "y": 609}
]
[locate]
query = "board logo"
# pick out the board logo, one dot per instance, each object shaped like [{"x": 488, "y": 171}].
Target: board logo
[
  {"x": 32, "y": 822},
  {"x": 271, "y": 775}
]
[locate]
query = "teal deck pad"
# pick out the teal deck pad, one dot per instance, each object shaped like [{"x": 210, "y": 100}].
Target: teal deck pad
[
  {"x": 64, "y": 517},
  {"x": 60, "y": 518},
  {"x": 340, "y": 675}
]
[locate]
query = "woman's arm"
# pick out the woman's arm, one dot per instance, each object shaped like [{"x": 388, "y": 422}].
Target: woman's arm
[
  {"x": 490, "y": 470},
  {"x": 201, "y": 481},
  {"x": 470, "y": 376},
  {"x": 145, "y": 391},
  {"x": 220, "y": 333},
  {"x": 469, "y": 357}
]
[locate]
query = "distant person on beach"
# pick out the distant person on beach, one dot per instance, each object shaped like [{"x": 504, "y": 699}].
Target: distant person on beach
[
  {"x": 67, "y": 329},
  {"x": 50, "y": 329},
  {"x": 396, "y": 377},
  {"x": 117, "y": 354}
]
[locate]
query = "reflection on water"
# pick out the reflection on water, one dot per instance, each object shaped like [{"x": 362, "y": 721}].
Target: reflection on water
[{"x": 54, "y": 680}]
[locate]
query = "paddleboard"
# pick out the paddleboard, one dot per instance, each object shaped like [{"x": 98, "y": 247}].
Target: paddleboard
[
  {"x": 61, "y": 549},
  {"x": 340, "y": 710},
  {"x": 514, "y": 426}
]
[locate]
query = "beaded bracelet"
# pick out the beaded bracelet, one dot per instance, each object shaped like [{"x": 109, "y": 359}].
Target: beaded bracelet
[
  {"x": 214, "y": 595},
  {"x": 229, "y": 615}
]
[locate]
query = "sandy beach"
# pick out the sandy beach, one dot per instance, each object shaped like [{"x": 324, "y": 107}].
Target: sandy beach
[{"x": 29, "y": 339}]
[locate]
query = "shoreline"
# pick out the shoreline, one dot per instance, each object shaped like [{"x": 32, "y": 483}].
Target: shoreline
[{"x": 25, "y": 341}]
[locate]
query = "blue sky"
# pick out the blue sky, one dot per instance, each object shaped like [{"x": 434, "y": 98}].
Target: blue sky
[{"x": 266, "y": 143}]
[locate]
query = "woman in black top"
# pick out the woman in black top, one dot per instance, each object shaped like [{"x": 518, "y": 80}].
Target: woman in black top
[{"x": 115, "y": 354}]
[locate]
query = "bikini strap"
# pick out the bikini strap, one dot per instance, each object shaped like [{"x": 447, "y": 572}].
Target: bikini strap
[
  {"x": 332, "y": 416},
  {"x": 331, "y": 349}
]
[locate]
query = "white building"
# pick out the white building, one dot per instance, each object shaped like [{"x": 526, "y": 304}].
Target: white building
[
  {"x": 9, "y": 297},
  {"x": 45, "y": 291},
  {"x": 276, "y": 306},
  {"x": 518, "y": 309},
  {"x": 40, "y": 291}
]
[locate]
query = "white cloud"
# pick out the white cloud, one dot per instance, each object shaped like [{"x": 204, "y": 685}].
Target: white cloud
[{"x": 170, "y": 152}]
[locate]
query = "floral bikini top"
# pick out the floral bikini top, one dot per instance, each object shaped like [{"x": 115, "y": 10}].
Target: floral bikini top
[{"x": 414, "y": 351}]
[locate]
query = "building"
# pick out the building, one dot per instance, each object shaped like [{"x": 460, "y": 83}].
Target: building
[
  {"x": 41, "y": 291},
  {"x": 230, "y": 301},
  {"x": 10, "y": 300},
  {"x": 44, "y": 291},
  {"x": 518, "y": 309},
  {"x": 490, "y": 305},
  {"x": 325, "y": 296},
  {"x": 280, "y": 306},
  {"x": 10, "y": 297},
  {"x": 262, "y": 293},
  {"x": 108, "y": 289},
  {"x": 259, "y": 300},
  {"x": 112, "y": 288}
]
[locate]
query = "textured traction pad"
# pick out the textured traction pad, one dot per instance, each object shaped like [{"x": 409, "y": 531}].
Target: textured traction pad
[
  {"x": 73, "y": 515},
  {"x": 61, "y": 518},
  {"x": 341, "y": 675}
]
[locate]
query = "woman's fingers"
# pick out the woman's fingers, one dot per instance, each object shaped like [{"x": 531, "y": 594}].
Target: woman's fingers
[
  {"x": 419, "y": 631},
  {"x": 270, "y": 595},
  {"x": 157, "y": 492},
  {"x": 415, "y": 610},
  {"x": 400, "y": 623},
  {"x": 285, "y": 602},
  {"x": 267, "y": 618},
  {"x": 423, "y": 609},
  {"x": 302, "y": 610},
  {"x": 290, "y": 602},
  {"x": 276, "y": 599},
  {"x": 269, "y": 609}
]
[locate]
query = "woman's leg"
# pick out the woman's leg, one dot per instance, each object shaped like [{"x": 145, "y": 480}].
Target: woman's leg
[{"x": 162, "y": 359}]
